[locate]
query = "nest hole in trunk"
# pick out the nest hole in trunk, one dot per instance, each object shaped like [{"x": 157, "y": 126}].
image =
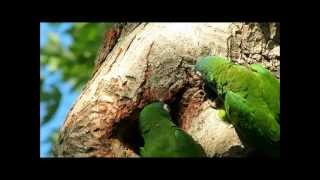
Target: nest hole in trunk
[
  {"x": 175, "y": 105},
  {"x": 127, "y": 131}
]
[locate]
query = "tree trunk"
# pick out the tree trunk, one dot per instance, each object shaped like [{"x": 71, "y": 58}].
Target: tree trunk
[{"x": 154, "y": 62}]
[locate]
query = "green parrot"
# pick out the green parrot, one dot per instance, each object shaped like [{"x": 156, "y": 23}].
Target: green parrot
[
  {"x": 162, "y": 138},
  {"x": 251, "y": 99}
]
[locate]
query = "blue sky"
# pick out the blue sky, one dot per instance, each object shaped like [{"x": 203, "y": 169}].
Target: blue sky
[{"x": 68, "y": 96}]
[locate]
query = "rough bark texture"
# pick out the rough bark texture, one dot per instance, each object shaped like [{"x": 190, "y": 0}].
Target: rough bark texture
[
  {"x": 256, "y": 43},
  {"x": 154, "y": 61}
]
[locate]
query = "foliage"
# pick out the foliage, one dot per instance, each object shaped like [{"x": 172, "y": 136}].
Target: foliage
[{"x": 74, "y": 64}]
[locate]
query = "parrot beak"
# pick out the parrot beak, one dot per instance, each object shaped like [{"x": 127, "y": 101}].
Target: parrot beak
[{"x": 166, "y": 107}]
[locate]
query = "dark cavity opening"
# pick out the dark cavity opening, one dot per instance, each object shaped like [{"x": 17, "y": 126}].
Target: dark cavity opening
[
  {"x": 211, "y": 94},
  {"x": 127, "y": 131},
  {"x": 175, "y": 104}
]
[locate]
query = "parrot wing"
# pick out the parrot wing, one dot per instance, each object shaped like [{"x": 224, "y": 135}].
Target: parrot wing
[
  {"x": 187, "y": 145},
  {"x": 254, "y": 122},
  {"x": 270, "y": 89}
]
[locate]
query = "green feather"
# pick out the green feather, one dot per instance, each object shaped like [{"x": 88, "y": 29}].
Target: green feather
[
  {"x": 251, "y": 99},
  {"x": 162, "y": 138}
]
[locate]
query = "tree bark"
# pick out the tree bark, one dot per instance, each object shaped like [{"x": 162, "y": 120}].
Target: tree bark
[{"x": 154, "y": 62}]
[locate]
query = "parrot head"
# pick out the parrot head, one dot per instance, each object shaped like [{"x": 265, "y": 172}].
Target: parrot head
[
  {"x": 209, "y": 63},
  {"x": 152, "y": 114}
]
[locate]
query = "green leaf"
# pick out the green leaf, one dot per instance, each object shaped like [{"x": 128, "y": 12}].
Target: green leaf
[
  {"x": 53, "y": 38},
  {"x": 52, "y": 99},
  {"x": 75, "y": 62},
  {"x": 53, "y": 64},
  {"x": 53, "y": 138}
]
